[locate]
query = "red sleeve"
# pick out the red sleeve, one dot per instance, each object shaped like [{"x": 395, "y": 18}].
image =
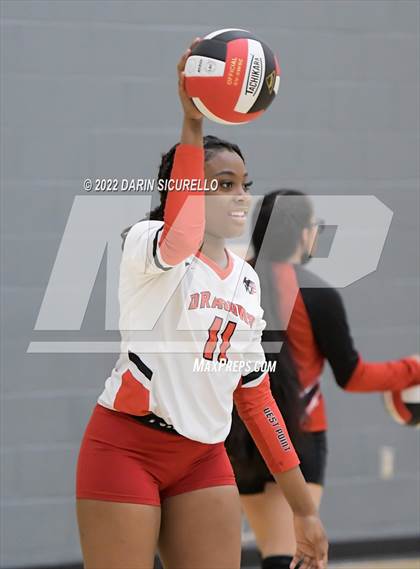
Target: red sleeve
[
  {"x": 183, "y": 228},
  {"x": 387, "y": 376},
  {"x": 262, "y": 418}
]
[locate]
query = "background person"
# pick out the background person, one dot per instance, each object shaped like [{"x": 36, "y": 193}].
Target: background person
[{"x": 317, "y": 331}]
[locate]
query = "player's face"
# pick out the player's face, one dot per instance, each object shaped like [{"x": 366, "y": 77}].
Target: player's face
[{"x": 227, "y": 207}]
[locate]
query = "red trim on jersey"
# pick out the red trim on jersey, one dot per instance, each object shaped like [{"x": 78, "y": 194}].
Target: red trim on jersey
[
  {"x": 183, "y": 229},
  {"x": 262, "y": 417},
  {"x": 222, "y": 273},
  {"x": 132, "y": 397}
]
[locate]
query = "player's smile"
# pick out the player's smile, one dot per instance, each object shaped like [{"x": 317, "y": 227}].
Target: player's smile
[{"x": 239, "y": 215}]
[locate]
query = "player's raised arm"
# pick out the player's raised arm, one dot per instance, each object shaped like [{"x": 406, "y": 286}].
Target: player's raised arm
[{"x": 183, "y": 228}]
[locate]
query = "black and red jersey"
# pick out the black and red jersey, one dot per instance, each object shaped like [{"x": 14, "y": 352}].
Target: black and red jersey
[{"x": 317, "y": 330}]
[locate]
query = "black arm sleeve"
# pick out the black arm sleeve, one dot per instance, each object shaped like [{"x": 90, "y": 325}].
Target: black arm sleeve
[{"x": 328, "y": 318}]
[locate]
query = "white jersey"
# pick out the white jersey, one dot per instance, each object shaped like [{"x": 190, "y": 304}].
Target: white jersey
[{"x": 189, "y": 333}]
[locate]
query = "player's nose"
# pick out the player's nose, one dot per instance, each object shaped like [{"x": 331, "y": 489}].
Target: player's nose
[{"x": 240, "y": 193}]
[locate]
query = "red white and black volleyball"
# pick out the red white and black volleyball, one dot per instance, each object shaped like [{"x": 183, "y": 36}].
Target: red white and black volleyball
[
  {"x": 232, "y": 76},
  {"x": 404, "y": 406}
]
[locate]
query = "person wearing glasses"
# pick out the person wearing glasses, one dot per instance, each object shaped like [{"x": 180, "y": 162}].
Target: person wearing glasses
[{"x": 314, "y": 321}]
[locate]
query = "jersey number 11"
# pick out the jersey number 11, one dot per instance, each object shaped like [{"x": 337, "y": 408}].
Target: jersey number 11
[{"x": 213, "y": 340}]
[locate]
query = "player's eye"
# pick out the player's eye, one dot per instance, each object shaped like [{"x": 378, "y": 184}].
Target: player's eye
[
  {"x": 247, "y": 185},
  {"x": 226, "y": 185}
]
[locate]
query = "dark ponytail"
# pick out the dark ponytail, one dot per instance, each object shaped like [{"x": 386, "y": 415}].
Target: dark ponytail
[
  {"x": 211, "y": 144},
  {"x": 292, "y": 211}
]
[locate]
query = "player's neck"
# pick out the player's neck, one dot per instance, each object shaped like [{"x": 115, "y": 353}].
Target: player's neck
[{"x": 214, "y": 248}]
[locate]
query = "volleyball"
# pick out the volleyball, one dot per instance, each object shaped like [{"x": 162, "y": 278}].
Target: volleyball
[
  {"x": 232, "y": 76},
  {"x": 404, "y": 406}
]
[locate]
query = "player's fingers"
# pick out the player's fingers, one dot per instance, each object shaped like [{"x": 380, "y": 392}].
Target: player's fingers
[
  {"x": 297, "y": 558},
  {"x": 181, "y": 62},
  {"x": 186, "y": 54},
  {"x": 321, "y": 553},
  {"x": 307, "y": 563},
  {"x": 294, "y": 562},
  {"x": 181, "y": 83},
  {"x": 323, "y": 562},
  {"x": 195, "y": 42}
]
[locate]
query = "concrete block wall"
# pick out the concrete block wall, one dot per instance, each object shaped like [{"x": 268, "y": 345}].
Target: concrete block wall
[{"x": 88, "y": 89}]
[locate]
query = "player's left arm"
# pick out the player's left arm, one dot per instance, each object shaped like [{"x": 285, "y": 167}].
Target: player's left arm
[
  {"x": 262, "y": 417},
  {"x": 256, "y": 405}
]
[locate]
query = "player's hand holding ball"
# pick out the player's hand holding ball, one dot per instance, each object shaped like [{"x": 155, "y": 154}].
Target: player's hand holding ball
[
  {"x": 190, "y": 110},
  {"x": 232, "y": 76},
  {"x": 404, "y": 405}
]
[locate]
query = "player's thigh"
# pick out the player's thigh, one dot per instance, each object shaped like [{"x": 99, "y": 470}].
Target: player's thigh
[
  {"x": 202, "y": 529},
  {"x": 117, "y": 535}
]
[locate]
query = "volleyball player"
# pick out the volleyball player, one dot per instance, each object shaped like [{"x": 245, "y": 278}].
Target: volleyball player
[
  {"x": 313, "y": 313},
  {"x": 152, "y": 470}
]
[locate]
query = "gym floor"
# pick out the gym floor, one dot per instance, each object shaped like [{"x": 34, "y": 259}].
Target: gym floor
[
  {"x": 372, "y": 564},
  {"x": 383, "y": 564}
]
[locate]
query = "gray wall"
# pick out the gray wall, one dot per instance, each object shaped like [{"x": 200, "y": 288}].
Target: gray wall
[{"x": 88, "y": 89}]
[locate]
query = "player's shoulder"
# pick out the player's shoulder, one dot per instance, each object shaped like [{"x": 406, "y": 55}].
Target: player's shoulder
[
  {"x": 144, "y": 226},
  {"x": 308, "y": 279},
  {"x": 314, "y": 287},
  {"x": 139, "y": 231}
]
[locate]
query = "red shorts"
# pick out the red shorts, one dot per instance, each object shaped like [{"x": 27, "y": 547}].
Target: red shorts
[{"x": 122, "y": 460}]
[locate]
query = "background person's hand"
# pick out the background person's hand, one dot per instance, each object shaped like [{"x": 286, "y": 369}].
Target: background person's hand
[
  {"x": 190, "y": 110},
  {"x": 311, "y": 543}
]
